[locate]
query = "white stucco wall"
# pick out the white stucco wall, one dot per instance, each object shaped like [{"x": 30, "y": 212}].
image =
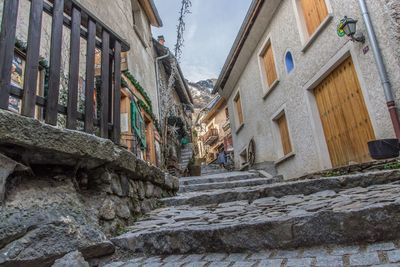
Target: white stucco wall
[{"x": 308, "y": 142}]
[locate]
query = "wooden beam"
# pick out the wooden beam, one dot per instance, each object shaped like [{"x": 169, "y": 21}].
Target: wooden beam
[
  {"x": 105, "y": 76},
  {"x": 117, "y": 93},
  {"x": 55, "y": 62},
  {"x": 72, "y": 107},
  {"x": 7, "y": 40},
  {"x": 90, "y": 64},
  {"x": 32, "y": 58}
]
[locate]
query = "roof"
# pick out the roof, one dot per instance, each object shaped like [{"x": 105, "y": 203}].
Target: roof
[
  {"x": 250, "y": 33},
  {"x": 181, "y": 87},
  {"x": 151, "y": 12},
  {"x": 213, "y": 107}
]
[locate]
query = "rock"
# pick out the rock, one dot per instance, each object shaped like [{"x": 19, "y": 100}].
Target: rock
[
  {"x": 149, "y": 190},
  {"x": 147, "y": 205},
  {"x": 43, "y": 220},
  {"x": 116, "y": 185},
  {"x": 107, "y": 210},
  {"x": 124, "y": 185},
  {"x": 122, "y": 210},
  {"x": 141, "y": 190},
  {"x": 72, "y": 259},
  {"x": 7, "y": 167}
]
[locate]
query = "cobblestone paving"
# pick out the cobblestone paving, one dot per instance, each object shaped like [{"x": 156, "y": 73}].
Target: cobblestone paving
[
  {"x": 268, "y": 209},
  {"x": 385, "y": 254}
]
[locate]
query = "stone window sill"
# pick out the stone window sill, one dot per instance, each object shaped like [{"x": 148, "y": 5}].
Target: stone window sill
[
  {"x": 285, "y": 158},
  {"x": 271, "y": 88},
  {"x": 318, "y": 32}
]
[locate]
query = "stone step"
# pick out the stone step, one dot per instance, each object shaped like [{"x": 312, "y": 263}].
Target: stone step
[
  {"x": 227, "y": 185},
  {"x": 345, "y": 216},
  {"x": 376, "y": 254},
  {"x": 305, "y": 187},
  {"x": 217, "y": 178}
]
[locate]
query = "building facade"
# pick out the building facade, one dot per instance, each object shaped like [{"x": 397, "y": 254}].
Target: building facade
[
  {"x": 132, "y": 21},
  {"x": 309, "y": 99},
  {"x": 216, "y": 132}
]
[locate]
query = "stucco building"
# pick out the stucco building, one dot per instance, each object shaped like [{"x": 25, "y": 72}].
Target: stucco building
[
  {"x": 309, "y": 99},
  {"x": 215, "y": 133}
]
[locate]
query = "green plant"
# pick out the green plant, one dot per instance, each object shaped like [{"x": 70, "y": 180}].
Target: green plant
[
  {"x": 392, "y": 166},
  {"x": 333, "y": 173},
  {"x": 138, "y": 86}
]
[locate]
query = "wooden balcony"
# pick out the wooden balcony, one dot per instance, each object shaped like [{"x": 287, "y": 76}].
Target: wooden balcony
[
  {"x": 81, "y": 24},
  {"x": 210, "y": 137}
]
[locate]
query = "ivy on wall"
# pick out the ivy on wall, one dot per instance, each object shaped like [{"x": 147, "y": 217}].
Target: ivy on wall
[
  {"x": 137, "y": 85},
  {"x": 147, "y": 107}
]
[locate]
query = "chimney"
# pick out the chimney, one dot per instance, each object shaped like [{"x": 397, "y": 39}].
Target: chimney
[{"x": 161, "y": 39}]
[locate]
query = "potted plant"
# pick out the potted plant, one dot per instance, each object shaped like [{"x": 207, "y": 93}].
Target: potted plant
[{"x": 384, "y": 148}]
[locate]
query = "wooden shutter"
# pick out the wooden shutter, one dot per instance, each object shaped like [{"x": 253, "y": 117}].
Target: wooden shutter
[
  {"x": 239, "y": 111},
  {"x": 315, "y": 12},
  {"x": 284, "y": 132},
  {"x": 269, "y": 65}
]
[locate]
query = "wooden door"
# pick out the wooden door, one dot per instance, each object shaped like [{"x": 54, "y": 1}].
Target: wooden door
[{"x": 344, "y": 116}]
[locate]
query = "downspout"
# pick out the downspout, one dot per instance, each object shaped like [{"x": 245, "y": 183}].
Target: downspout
[
  {"x": 387, "y": 88},
  {"x": 158, "y": 59}
]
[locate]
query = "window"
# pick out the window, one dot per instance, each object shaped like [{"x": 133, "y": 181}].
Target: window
[
  {"x": 227, "y": 113},
  {"x": 289, "y": 62},
  {"x": 269, "y": 65},
  {"x": 314, "y": 12},
  {"x": 238, "y": 107},
  {"x": 284, "y": 132}
]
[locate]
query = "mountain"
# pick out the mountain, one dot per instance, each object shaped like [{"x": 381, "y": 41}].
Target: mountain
[{"x": 201, "y": 92}]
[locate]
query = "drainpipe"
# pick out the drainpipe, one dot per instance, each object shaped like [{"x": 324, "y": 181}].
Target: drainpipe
[
  {"x": 158, "y": 59},
  {"x": 387, "y": 88}
]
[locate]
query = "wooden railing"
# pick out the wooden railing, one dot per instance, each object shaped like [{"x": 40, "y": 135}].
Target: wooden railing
[{"x": 82, "y": 24}]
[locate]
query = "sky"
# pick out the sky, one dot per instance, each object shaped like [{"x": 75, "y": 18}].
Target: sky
[{"x": 211, "y": 29}]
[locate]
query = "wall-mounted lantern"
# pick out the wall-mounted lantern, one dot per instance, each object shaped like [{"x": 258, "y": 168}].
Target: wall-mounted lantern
[{"x": 348, "y": 26}]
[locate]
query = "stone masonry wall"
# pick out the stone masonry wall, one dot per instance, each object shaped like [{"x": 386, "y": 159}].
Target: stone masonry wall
[{"x": 63, "y": 190}]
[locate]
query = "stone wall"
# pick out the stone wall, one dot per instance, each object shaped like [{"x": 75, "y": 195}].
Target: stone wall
[{"x": 66, "y": 190}]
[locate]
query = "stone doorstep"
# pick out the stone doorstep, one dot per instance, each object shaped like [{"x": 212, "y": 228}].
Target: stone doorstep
[
  {"x": 222, "y": 185},
  {"x": 217, "y": 178},
  {"x": 323, "y": 228},
  {"x": 281, "y": 189}
]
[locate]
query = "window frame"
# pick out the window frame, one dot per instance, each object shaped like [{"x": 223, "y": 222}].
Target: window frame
[
  {"x": 281, "y": 155},
  {"x": 293, "y": 62},
  {"x": 267, "y": 89},
  {"x": 239, "y": 123}
]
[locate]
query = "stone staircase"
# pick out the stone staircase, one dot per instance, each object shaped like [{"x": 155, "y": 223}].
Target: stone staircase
[{"x": 243, "y": 211}]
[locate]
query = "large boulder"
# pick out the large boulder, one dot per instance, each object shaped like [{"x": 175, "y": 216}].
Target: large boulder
[{"x": 44, "y": 219}]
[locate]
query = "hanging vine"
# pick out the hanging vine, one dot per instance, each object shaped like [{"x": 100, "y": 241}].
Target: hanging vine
[{"x": 185, "y": 10}]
